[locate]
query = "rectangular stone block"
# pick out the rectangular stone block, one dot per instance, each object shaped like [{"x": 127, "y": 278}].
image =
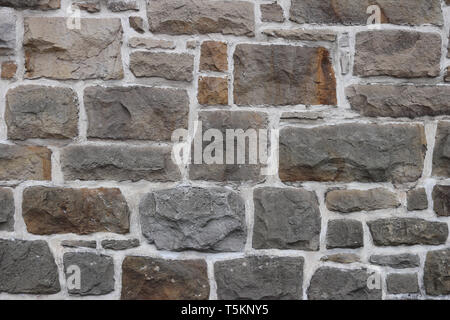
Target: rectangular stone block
[
  {"x": 441, "y": 155},
  {"x": 437, "y": 273},
  {"x": 347, "y": 201},
  {"x": 302, "y": 34},
  {"x": 402, "y": 283},
  {"x": 7, "y": 31},
  {"x": 32, "y": 4},
  {"x": 7, "y": 209},
  {"x": 396, "y": 261}
]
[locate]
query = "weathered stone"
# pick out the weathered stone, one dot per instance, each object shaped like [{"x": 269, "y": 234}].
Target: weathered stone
[
  {"x": 27, "y": 267},
  {"x": 9, "y": 69},
  {"x": 7, "y": 31},
  {"x": 447, "y": 75},
  {"x": 52, "y": 50},
  {"x": 260, "y": 278},
  {"x": 91, "y": 6},
  {"x": 407, "y": 231},
  {"x": 41, "y": 112},
  {"x": 266, "y": 75},
  {"x": 120, "y": 244},
  {"x": 118, "y": 162},
  {"x": 96, "y": 273},
  {"x": 344, "y": 258},
  {"x": 56, "y": 210},
  {"x": 122, "y": 5},
  {"x": 302, "y": 34},
  {"x": 137, "y": 23},
  {"x": 32, "y": 4},
  {"x": 417, "y": 199},
  {"x": 148, "y": 43},
  {"x": 396, "y": 261},
  {"x": 235, "y": 171},
  {"x": 213, "y": 56},
  {"x": 437, "y": 273},
  {"x": 159, "y": 279},
  {"x": 212, "y": 91},
  {"x": 25, "y": 163},
  {"x": 347, "y": 201},
  {"x": 354, "y": 12},
  {"x": 353, "y": 152},
  {"x": 170, "y": 66},
  {"x": 345, "y": 233},
  {"x": 6, "y": 209},
  {"x": 341, "y": 284},
  {"x": 402, "y": 283},
  {"x": 191, "y": 218},
  {"x": 286, "y": 219},
  {"x": 201, "y": 17},
  {"x": 271, "y": 12},
  {"x": 79, "y": 244},
  {"x": 397, "y": 53},
  {"x": 396, "y": 101},
  {"x": 135, "y": 112},
  {"x": 441, "y": 200},
  {"x": 441, "y": 155}
]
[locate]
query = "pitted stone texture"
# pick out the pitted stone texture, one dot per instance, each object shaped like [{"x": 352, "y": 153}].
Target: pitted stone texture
[
  {"x": 437, "y": 273},
  {"x": 191, "y": 218},
  {"x": 52, "y": 50},
  {"x": 407, "y": 231},
  {"x": 7, "y": 31},
  {"x": 7, "y": 208},
  {"x": 341, "y": 284},
  {"x": 260, "y": 278},
  {"x": 27, "y": 267},
  {"x": 417, "y": 199},
  {"x": 345, "y": 233},
  {"x": 41, "y": 112},
  {"x": 148, "y": 43},
  {"x": 96, "y": 273},
  {"x": 229, "y": 120},
  {"x": 91, "y": 6},
  {"x": 212, "y": 91},
  {"x": 283, "y": 75},
  {"x": 402, "y": 283},
  {"x": 118, "y": 162},
  {"x": 354, "y": 12},
  {"x": 139, "y": 113},
  {"x": 170, "y": 66},
  {"x": 441, "y": 200},
  {"x": 160, "y": 279},
  {"x": 353, "y": 152},
  {"x": 396, "y": 261},
  {"x": 397, "y": 53},
  {"x": 122, "y": 5},
  {"x": 441, "y": 155},
  {"x": 32, "y": 4},
  {"x": 25, "y": 163},
  {"x": 286, "y": 219},
  {"x": 56, "y": 210},
  {"x": 302, "y": 34},
  {"x": 120, "y": 244},
  {"x": 271, "y": 12},
  {"x": 79, "y": 244},
  {"x": 397, "y": 101},
  {"x": 214, "y": 56},
  {"x": 177, "y": 17},
  {"x": 344, "y": 258},
  {"x": 347, "y": 201}
]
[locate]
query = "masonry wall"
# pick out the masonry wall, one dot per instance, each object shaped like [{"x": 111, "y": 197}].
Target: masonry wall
[{"x": 357, "y": 207}]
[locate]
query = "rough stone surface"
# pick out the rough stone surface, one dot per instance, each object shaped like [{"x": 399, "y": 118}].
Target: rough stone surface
[
  {"x": 267, "y": 75},
  {"x": 286, "y": 219},
  {"x": 344, "y": 258},
  {"x": 158, "y": 279},
  {"x": 122, "y": 5},
  {"x": 397, "y": 53},
  {"x": 148, "y": 43},
  {"x": 91, "y": 6},
  {"x": 396, "y": 261},
  {"x": 9, "y": 69},
  {"x": 345, "y": 233},
  {"x": 341, "y": 284},
  {"x": 347, "y": 201},
  {"x": 397, "y": 101},
  {"x": 192, "y": 218},
  {"x": 354, "y": 12},
  {"x": 139, "y": 113},
  {"x": 212, "y": 91},
  {"x": 417, "y": 199},
  {"x": 137, "y": 23},
  {"x": 437, "y": 273},
  {"x": 402, "y": 283},
  {"x": 120, "y": 244},
  {"x": 52, "y": 50},
  {"x": 32, "y": 4},
  {"x": 260, "y": 278},
  {"x": 302, "y": 34},
  {"x": 353, "y": 152},
  {"x": 41, "y": 112},
  {"x": 7, "y": 31},
  {"x": 177, "y": 17},
  {"x": 27, "y": 267},
  {"x": 79, "y": 244},
  {"x": 441, "y": 155},
  {"x": 96, "y": 272},
  {"x": 271, "y": 12},
  {"x": 56, "y": 210},
  {"x": 170, "y": 66},
  {"x": 7, "y": 208},
  {"x": 213, "y": 56},
  {"x": 407, "y": 231},
  {"x": 441, "y": 200},
  {"x": 25, "y": 163},
  {"x": 118, "y": 162}
]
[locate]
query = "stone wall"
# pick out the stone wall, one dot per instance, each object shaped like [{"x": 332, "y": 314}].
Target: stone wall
[{"x": 357, "y": 208}]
